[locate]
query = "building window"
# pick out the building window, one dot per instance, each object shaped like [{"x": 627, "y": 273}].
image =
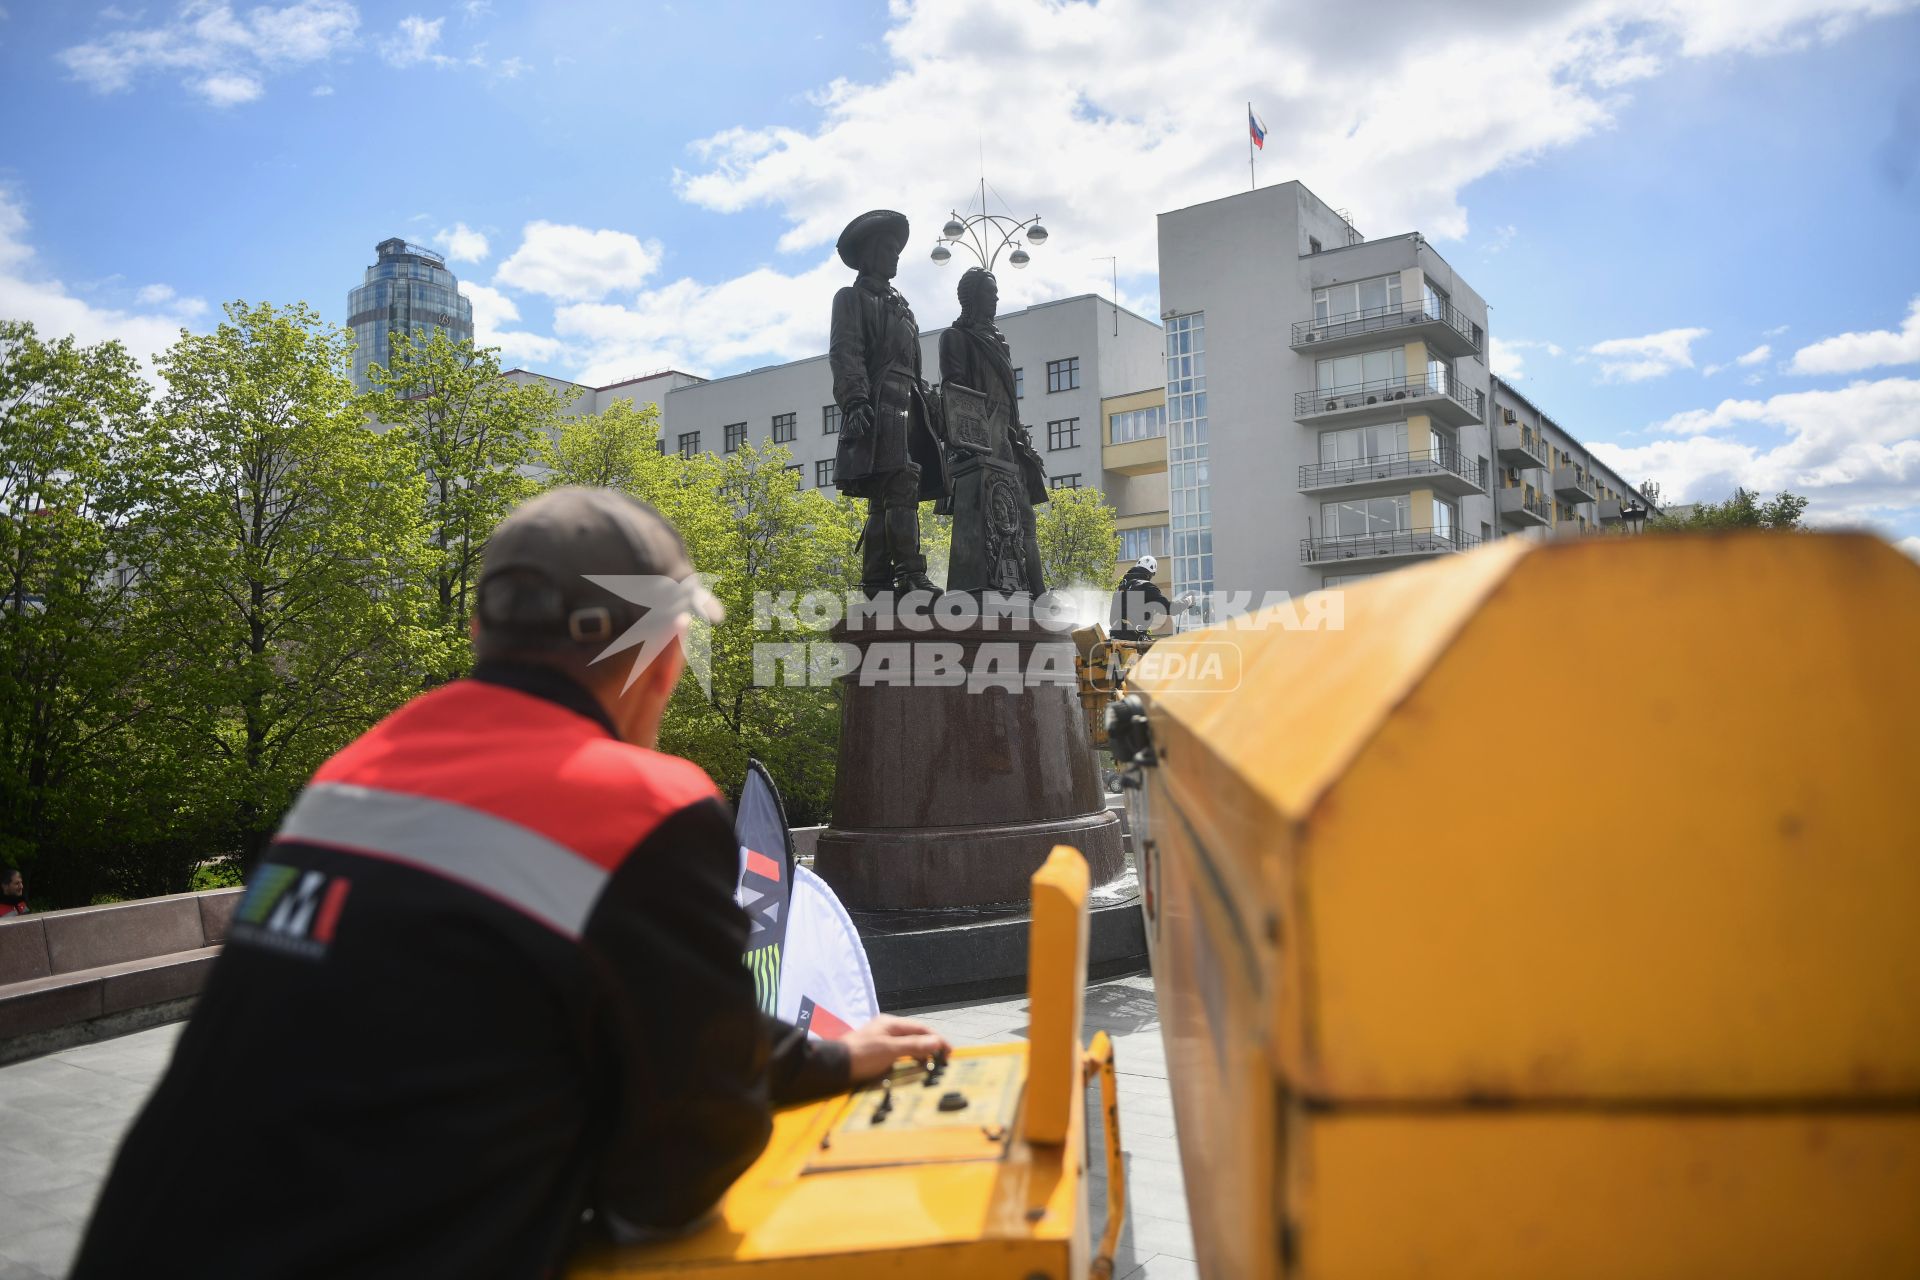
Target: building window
[
  {"x": 736, "y": 435},
  {"x": 1063, "y": 375},
  {"x": 1069, "y": 481},
  {"x": 799, "y": 476},
  {"x": 660, "y": 445},
  {"x": 1189, "y": 496},
  {"x": 823, "y": 473},
  {"x": 1374, "y": 297},
  {"x": 1368, "y": 367},
  {"x": 1358, "y": 517},
  {"x": 1150, "y": 541},
  {"x": 830, "y": 420},
  {"x": 689, "y": 443},
  {"x": 1019, "y": 383},
  {"x": 1063, "y": 433},
  {"x": 783, "y": 428},
  {"x": 1138, "y": 424}
]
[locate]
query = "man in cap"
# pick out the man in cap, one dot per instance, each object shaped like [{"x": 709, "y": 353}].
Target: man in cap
[
  {"x": 889, "y": 452},
  {"x": 489, "y": 975}
]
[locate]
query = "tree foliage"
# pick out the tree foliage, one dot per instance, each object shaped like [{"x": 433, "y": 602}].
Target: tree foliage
[
  {"x": 1078, "y": 540},
  {"x": 476, "y": 439},
  {"x": 291, "y": 582},
  {"x": 81, "y": 497},
  {"x": 1744, "y": 510}
]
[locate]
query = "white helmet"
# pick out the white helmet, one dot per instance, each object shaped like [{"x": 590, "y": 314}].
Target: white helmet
[{"x": 1148, "y": 563}]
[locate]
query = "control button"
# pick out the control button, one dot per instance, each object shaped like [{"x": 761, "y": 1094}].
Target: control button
[{"x": 953, "y": 1102}]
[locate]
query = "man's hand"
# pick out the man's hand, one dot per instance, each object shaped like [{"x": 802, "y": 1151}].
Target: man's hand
[
  {"x": 875, "y": 1047},
  {"x": 856, "y": 422}
]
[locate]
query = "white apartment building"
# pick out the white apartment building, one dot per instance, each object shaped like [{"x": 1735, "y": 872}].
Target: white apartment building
[{"x": 1331, "y": 412}]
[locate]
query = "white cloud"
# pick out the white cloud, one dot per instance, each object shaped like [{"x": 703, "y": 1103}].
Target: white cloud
[
  {"x": 1755, "y": 356},
  {"x": 413, "y": 42},
  {"x": 462, "y": 243},
  {"x": 1505, "y": 355},
  {"x": 229, "y": 90},
  {"x": 1911, "y": 545},
  {"x": 1775, "y": 332},
  {"x": 1651, "y": 356},
  {"x": 1076, "y": 94},
  {"x": 217, "y": 54},
  {"x": 1854, "y": 451},
  {"x": 323, "y": 91},
  {"x": 1852, "y": 352},
  {"x": 763, "y": 315},
  {"x": 574, "y": 264},
  {"x": 493, "y": 311},
  {"x": 29, "y": 294}
]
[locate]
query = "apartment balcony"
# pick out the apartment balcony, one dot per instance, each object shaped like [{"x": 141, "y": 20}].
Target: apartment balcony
[
  {"x": 1523, "y": 508},
  {"x": 1443, "y": 470},
  {"x": 1573, "y": 484},
  {"x": 1519, "y": 445},
  {"x": 1377, "y": 548},
  {"x": 1135, "y": 457},
  {"x": 1440, "y": 325},
  {"x": 1437, "y": 395}
]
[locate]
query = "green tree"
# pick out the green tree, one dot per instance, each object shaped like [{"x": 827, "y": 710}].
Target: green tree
[
  {"x": 617, "y": 448},
  {"x": 1078, "y": 540},
  {"x": 477, "y": 440},
  {"x": 82, "y": 506},
  {"x": 758, "y": 534},
  {"x": 1744, "y": 510},
  {"x": 290, "y": 584}
]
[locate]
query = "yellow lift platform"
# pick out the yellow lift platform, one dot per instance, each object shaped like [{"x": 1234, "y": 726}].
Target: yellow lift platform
[
  {"x": 974, "y": 1170},
  {"x": 1557, "y": 916}
]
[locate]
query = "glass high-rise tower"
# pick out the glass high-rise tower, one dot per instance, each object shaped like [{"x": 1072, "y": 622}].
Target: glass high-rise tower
[{"x": 408, "y": 290}]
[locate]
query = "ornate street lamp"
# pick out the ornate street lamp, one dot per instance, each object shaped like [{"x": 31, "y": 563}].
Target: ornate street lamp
[
  {"x": 1635, "y": 514},
  {"x": 985, "y": 235}
]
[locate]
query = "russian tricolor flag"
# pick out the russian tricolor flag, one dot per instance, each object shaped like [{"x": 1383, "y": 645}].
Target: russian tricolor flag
[{"x": 1258, "y": 128}]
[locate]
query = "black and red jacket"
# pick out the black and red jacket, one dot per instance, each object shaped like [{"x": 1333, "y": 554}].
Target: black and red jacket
[{"x": 488, "y": 977}]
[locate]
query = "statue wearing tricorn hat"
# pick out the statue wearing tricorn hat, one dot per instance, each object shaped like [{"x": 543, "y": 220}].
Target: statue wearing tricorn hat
[{"x": 889, "y": 451}]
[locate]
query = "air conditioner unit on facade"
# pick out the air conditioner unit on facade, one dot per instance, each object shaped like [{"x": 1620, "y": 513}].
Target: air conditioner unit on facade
[{"x": 1509, "y": 415}]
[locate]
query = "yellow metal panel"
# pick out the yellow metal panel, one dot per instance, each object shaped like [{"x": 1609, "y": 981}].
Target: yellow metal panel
[
  {"x": 1017, "y": 1215},
  {"x": 1488, "y": 1196},
  {"x": 1056, "y": 993},
  {"x": 1135, "y": 457},
  {"x": 1691, "y": 885}
]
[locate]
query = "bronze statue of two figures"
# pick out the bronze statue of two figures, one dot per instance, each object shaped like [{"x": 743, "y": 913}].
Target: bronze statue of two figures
[{"x": 901, "y": 443}]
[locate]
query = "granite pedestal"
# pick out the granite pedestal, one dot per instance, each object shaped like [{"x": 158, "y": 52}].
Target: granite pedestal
[{"x": 963, "y": 760}]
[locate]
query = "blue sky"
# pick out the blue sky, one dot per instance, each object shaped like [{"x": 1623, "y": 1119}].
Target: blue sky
[{"x": 1649, "y": 192}]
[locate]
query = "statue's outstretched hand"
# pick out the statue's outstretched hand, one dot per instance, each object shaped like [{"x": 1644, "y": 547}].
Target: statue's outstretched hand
[{"x": 856, "y": 423}]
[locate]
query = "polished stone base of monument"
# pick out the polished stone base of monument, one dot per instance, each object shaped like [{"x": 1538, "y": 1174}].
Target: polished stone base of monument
[
  {"x": 964, "y": 759},
  {"x": 938, "y": 957}
]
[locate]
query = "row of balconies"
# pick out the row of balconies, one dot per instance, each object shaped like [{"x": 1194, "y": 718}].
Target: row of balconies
[
  {"x": 1400, "y": 544},
  {"x": 1441, "y": 325},
  {"x": 1441, "y": 397}
]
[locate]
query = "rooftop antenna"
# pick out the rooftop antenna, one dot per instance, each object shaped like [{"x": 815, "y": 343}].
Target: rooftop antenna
[{"x": 1114, "y": 262}]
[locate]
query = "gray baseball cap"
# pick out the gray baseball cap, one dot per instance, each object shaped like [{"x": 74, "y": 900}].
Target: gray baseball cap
[{"x": 546, "y": 563}]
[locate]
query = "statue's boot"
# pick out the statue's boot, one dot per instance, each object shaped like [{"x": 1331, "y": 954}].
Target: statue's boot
[
  {"x": 876, "y": 570},
  {"x": 903, "y": 532}
]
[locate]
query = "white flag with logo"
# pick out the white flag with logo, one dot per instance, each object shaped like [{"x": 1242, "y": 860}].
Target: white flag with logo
[{"x": 825, "y": 984}]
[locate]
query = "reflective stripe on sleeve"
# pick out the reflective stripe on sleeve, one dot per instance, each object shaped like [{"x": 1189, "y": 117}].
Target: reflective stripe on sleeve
[{"x": 501, "y": 859}]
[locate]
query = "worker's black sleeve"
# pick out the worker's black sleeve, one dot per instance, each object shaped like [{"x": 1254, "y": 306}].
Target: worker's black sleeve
[
  {"x": 1151, "y": 592},
  {"x": 696, "y": 1064}
]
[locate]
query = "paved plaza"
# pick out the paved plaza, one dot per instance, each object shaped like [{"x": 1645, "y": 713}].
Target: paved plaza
[{"x": 65, "y": 1114}]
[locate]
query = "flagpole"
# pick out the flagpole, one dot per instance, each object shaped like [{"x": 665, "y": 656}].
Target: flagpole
[{"x": 1251, "y": 184}]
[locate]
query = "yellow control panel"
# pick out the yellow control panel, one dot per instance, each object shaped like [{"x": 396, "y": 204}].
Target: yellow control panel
[
  {"x": 959, "y": 1109},
  {"x": 972, "y": 1167}
]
